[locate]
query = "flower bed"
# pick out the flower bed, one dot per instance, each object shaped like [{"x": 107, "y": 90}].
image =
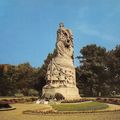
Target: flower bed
[
  {"x": 77, "y": 100},
  {"x": 109, "y": 100},
  {"x": 18, "y": 100}
]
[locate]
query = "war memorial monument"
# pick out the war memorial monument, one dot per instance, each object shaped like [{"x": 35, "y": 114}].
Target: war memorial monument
[{"x": 61, "y": 76}]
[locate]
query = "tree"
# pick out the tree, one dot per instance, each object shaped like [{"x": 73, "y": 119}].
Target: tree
[
  {"x": 24, "y": 77},
  {"x": 93, "y": 71},
  {"x": 7, "y": 84},
  {"x": 114, "y": 65}
]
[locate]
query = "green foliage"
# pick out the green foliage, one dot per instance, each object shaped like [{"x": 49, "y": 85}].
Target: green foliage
[
  {"x": 33, "y": 92},
  {"x": 7, "y": 85},
  {"x": 16, "y": 79},
  {"x": 98, "y": 71},
  {"x": 19, "y": 95}
]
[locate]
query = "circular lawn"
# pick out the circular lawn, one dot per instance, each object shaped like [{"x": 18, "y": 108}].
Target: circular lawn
[{"x": 85, "y": 106}]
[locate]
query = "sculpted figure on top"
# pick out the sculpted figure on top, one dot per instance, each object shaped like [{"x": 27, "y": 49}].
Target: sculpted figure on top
[{"x": 64, "y": 43}]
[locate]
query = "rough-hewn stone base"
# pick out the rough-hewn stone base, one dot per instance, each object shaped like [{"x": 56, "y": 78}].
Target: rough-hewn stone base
[{"x": 70, "y": 93}]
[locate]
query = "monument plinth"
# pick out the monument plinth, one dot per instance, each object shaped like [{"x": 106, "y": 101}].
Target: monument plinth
[{"x": 61, "y": 77}]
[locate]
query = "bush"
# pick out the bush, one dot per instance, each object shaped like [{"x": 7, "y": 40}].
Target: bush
[
  {"x": 59, "y": 96},
  {"x": 19, "y": 95},
  {"x": 4, "y": 105},
  {"x": 33, "y": 92}
]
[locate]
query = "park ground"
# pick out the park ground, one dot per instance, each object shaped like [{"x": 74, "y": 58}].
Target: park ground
[{"x": 17, "y": 114}]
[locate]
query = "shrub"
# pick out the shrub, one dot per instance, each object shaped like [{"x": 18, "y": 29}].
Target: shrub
[
  {"x": 19, "y": 95},
  {"x": 4, "y": 105},
  {"x": 33, "y": 92}
]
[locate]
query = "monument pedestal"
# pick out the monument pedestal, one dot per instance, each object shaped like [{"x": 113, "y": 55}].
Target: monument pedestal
[{"x": 69, "y": 93}]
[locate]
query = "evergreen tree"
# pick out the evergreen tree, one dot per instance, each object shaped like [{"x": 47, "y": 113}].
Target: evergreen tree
[{"x": 93, "y": 73}]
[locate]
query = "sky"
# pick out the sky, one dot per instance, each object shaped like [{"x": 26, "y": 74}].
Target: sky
[{"x": 28, "y": 27}]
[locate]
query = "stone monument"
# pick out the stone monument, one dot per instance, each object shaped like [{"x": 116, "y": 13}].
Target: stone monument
[{"x": 61, "y": 77}]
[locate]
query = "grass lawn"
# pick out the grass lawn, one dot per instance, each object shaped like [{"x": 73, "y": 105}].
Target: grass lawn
[
  {"x": 79, "y": 106},
  {"x": 18, "y": 115}
]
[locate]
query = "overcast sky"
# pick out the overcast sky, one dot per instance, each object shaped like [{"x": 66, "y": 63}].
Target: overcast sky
[{"x": 28, "y": 27}]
